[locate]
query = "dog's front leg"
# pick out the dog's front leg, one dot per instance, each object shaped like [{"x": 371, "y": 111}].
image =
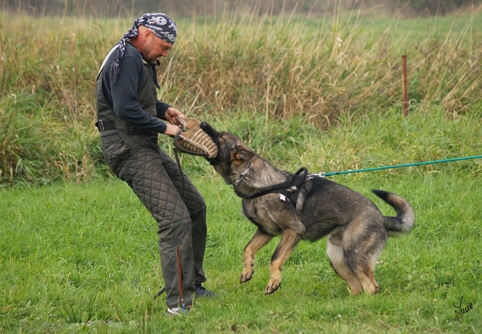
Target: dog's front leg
[
  {"x": 289, "y": 240},
  {"x": 259, "y": 239}
]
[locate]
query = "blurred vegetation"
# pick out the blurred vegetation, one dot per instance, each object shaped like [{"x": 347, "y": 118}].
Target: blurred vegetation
[
  {"x": 188, "y": 8},
  {"x": 276, "y": 81}
]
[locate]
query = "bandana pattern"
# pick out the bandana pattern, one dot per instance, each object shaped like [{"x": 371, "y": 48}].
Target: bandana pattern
[{"x": 159, "y": 23}]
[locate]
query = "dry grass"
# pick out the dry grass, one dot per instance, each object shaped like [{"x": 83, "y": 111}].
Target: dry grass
[{"x": 318, "y": 70}]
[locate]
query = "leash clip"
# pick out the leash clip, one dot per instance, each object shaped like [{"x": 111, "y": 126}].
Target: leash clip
[{"x": 320, "y": 174}]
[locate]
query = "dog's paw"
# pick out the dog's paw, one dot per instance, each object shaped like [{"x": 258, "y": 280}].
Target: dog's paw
[
  {"x": 246, "y": 275},
  {"x": 272, "y": 286}
]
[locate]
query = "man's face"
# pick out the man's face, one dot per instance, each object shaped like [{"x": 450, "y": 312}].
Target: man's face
[{"x": 155, "y": 48}]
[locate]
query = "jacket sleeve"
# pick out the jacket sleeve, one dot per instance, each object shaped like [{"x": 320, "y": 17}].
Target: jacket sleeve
[{"x": 161, "y": 109}]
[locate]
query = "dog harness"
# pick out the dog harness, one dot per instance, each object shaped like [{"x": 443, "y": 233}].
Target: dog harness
[{"x": 287, "y": 190}]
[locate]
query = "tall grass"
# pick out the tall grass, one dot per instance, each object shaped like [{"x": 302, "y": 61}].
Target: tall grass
[
  {"x": 321, "y": 68},
  {"x": 268, "y": 73}
]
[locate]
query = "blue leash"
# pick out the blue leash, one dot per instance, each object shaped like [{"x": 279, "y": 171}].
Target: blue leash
[{"x": 399, "y": 166}]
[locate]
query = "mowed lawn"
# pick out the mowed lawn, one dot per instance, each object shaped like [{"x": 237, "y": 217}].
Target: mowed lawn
[{"x": 83, "y": 258}]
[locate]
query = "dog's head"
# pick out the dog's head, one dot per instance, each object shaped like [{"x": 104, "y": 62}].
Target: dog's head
[{"x": 233, "y": 155}]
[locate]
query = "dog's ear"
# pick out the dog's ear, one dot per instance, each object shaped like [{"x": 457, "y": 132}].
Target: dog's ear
[{"x": 241, "y": 154}]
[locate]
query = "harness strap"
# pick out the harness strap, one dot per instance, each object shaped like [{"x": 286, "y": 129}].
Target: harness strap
[{"x": 282, "y": 188}]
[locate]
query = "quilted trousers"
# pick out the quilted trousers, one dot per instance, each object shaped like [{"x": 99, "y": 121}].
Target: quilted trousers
[{"x": 180, "y": 211}]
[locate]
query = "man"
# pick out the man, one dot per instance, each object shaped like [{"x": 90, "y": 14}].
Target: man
[{"x": 129, "y": 114}]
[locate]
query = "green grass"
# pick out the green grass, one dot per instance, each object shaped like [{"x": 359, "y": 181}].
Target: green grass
[{"x": 82, "y": 257}]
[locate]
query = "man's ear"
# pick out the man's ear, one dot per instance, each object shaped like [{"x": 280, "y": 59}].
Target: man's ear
[
  {"x": 149, "y": 35},
  {"x": 145, "y": 33}
]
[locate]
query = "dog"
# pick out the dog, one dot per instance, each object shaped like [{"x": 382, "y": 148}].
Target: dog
[{"x": 303, "y": 206}]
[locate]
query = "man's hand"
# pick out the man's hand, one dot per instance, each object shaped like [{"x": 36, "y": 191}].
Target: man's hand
[
  {"x": 171, "y": 130},
  {"x": 171, "y": 116}
]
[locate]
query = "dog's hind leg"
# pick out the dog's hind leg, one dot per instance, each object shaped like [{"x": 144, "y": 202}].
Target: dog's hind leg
[
  {"x": 364, "y": 273},
  {"x": 361, "y": 249},
  {"x": 334, "y": 250},
  {"x": 259, "y": 240},
  {"x": 289, "y": 240}
]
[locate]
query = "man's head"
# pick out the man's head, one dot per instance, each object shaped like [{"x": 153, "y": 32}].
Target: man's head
[
  {"x": 160, "y": 24},
  {"x": 153, "y": 34},
  {"x": 150, "y": 45},
  {"x": 156, "y": 34}
]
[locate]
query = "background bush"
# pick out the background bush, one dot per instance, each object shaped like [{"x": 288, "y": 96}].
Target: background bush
[{"x": 273, "y": 79}]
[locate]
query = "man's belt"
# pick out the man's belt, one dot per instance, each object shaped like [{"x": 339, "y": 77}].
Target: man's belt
[{"x": 105, "y": 125}]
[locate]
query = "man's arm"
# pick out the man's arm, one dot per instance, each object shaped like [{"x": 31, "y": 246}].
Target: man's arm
[{"x": 161, "y": 108}]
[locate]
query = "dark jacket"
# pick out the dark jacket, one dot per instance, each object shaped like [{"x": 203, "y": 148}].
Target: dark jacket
[{"x": 131, "y": 102}]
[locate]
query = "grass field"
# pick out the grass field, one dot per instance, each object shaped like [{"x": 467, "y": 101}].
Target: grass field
[
  {"x": 82, "y": 257},
  {"x": 73, "y": 262}
]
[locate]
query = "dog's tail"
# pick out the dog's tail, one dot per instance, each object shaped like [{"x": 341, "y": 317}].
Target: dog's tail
[{"x": 405, "y": 219}]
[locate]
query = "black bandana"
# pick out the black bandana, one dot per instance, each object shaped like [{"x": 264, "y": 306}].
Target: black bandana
[{"x": 159, "y": 23}]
